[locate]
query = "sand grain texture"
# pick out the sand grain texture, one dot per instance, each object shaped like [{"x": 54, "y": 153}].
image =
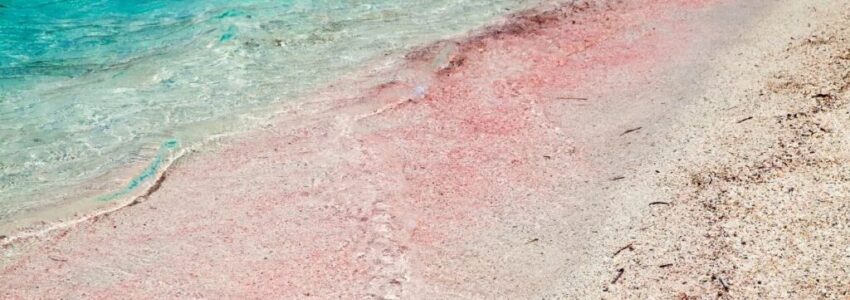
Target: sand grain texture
[
  {"x": 761, "y": 210},
  {"x": 508, "y": 164}
]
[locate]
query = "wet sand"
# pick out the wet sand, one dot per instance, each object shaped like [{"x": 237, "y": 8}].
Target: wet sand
[{"x": 536, "y": 158}]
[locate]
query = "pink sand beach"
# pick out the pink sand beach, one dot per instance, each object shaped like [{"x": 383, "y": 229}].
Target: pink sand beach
[{"x": 530, "y": 159}]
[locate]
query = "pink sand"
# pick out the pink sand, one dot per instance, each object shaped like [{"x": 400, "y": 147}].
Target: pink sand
[{"x": 381, "y": 196}]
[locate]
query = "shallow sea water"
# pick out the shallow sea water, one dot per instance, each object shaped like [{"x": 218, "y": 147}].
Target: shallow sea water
[{"x": 88, "y": 87}]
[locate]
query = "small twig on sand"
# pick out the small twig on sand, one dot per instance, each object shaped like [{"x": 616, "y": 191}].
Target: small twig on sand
[
  {"x": 723, "y": 284},
  {"x": 744, "y": 120},
  {"x": 57, "y": 258},
  {"x": 665, "y": 266},
  {"x": 618, "y": 178},
  {"x": 534, "y": 240},
  {"x": 631, "y": 130},
  {"x": 659, "y": 203},
  {"x": 619, "y": 274},
  {"x": 630, "y": 246},
  {"x": 572, "y": 98}
]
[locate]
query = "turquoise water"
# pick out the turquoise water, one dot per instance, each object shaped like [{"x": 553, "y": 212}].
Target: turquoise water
[{"x": 89, "y": 88}]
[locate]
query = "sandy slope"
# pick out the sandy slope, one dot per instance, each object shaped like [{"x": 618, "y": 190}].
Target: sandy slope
[{"x": 510, "y": 164}]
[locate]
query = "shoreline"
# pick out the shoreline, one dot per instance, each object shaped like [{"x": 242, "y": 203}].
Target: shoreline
[
  {"x": 504, "y": 163},
  {"x": 37, "y": 223},
  {"x": 41, "y": 221},
  {"x": 86, "y": 196},
  {"x": 274, "y": 71}
]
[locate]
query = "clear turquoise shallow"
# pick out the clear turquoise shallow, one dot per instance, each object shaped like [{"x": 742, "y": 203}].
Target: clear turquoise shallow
[{"x": 88, "y": 87}]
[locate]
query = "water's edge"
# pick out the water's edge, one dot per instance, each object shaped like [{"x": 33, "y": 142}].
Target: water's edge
[
  {"x": 35, "y": 224},
  {"x": 94, "y": 88}
]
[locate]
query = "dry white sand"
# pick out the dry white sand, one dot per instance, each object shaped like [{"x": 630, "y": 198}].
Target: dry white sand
[{"x": 756, "y": 203}]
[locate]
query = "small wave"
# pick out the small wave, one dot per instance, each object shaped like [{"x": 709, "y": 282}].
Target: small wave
[{"x": 163, "y": 156}]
